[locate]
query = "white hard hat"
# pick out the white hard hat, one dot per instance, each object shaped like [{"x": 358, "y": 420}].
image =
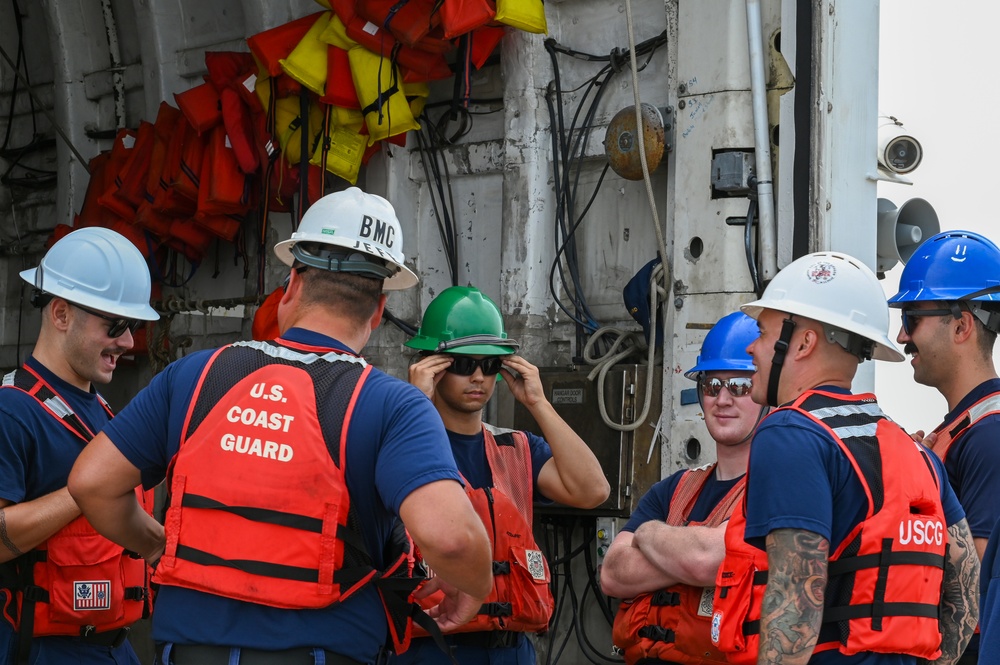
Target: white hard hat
[
  {"x": 97, "y": 268},
  {"x": 837, "y": 290},
  {"x": 364, "y": 225}
]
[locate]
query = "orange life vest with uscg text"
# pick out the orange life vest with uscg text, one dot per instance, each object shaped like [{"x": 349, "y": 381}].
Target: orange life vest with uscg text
[{"x": 884, "y": 580}]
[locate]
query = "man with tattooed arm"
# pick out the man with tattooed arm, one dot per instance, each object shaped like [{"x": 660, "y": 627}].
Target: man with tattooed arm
[{"x": 851, "y": 546}]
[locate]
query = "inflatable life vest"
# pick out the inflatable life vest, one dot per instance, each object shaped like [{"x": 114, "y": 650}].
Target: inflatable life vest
[
  {"x": 949, "y": 432},
  {"x": 520, "y": 599},
  {"x": 77, "y": 582},
  {"x": 884, "y": 580},
  {"x": 673, "y": 624},
  {"x": 273, "y": 415}
]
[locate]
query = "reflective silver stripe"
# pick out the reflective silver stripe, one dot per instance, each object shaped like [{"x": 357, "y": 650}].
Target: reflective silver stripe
[
  {"x": 58, "y": 406},
  {"x": 869, "y": 409},
  {"x": 8, "y": 378},
  {"x": 299, "y": 357},
  {"x": 856, "y": 431},
  {"x": 979, "y": 410}
]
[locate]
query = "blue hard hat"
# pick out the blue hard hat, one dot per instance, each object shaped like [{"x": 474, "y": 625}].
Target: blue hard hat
[
  {"x": 725, "y": 346},
  {"x": 953, "y": 265}
]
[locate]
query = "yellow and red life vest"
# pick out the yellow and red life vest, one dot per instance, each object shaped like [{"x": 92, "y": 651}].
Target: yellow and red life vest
[
  {"x": 673, "y": 624},
  {"x": 521, "y": 599},
  {"x": 77, "y": 582},
  {"x": 884, "y": 580}
]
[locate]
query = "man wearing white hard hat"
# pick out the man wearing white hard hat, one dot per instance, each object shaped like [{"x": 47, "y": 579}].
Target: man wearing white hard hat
[
  {"x": 68, "y": 594},
  {"x": 287, "y": 464},
  {"x": 851, "y": 546}
]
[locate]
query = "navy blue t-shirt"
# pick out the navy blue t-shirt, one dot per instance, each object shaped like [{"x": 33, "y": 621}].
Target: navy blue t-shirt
[
  {"x": 800, "y": 479},
  {"x": 989, "y": 601},
  {"x": 655, "y": 505},
  {"x": 470, "y": 455},
  {"x": 973, "y": 464},
  {"x": 395, "y": 444}
]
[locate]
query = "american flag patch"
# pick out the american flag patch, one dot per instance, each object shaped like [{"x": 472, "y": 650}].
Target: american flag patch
[{"x": 92, "y": 595}]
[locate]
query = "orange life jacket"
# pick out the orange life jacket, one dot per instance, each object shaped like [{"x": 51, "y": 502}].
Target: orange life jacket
[
  {"x": 673, "y": 624},
  {"x": 884, "y": 580},
  {"x": 275, "y": 417},
  {"x": 77, "y": 582},
  {"x": 949, "y": 432},
  {"x": 521, "y": 599}
]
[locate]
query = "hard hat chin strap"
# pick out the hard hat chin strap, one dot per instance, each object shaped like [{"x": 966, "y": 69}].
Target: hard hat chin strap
[{"x": 780, "y": 350}]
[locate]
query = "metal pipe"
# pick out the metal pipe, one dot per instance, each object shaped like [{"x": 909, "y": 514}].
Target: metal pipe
[
  {"x": 766, "y": 230},
  {"x": 116, "y": 69}
]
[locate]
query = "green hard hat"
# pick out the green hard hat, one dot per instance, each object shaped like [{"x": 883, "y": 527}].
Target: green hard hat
[{"x": 462, "y": 320}]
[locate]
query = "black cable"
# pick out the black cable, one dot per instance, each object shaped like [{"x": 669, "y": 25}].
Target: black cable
[
  {"x": 748, "y": 246},
  {"x": 398, "y": 322},
  {"x": 445, "y": 219},
  {"x": 588, "y": 558}
]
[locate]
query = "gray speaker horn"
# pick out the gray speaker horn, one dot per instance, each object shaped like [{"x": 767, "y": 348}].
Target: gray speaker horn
[{"x": 902, "y": 229}]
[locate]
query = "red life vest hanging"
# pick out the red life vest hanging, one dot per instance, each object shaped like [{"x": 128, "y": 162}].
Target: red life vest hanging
[
  {"x": 200, "y": 106},
  {"x": 227, "y": 191},
  {"x": 409, "y": 21},
  {"x": 270, "y": 46},
  {"x": 237, "y": 121},
  {"x": 131, "y": 181},
  {"x": 459, "y": 17}
]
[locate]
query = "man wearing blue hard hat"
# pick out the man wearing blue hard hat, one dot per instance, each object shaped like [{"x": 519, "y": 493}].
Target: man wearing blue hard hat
[
  {"x": 949, "y": 298},
  {"x": 673, "y": 544}
]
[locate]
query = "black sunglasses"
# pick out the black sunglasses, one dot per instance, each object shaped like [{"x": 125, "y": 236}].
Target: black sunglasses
[
  {"x": 466, "y": 365},
  {"x": 119, "y": 324},
  {"x": 911, "y": 316},
  {"x": 738, "y": 386}
]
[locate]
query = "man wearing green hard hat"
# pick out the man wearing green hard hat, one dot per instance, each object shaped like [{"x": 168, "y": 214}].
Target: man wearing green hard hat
[{"x": 464, "y": 347}]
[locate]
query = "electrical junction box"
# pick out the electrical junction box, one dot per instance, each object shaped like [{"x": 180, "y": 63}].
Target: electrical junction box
[{"x": 631, "y": 460}]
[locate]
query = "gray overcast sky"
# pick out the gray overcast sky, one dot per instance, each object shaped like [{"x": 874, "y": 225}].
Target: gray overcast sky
[{"x": 937, "y": 76}]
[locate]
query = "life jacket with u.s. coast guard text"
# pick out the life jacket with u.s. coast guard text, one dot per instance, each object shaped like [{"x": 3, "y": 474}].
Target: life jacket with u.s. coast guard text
[
  {"x": 673, "y": 624},
  {"x": 77, "y": 582},
  {"x": 884, "y": 580},
  {"x": 274, "y": 415}
]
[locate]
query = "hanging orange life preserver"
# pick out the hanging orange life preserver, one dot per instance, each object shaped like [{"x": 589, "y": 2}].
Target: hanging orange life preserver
[
  {"x": 483, "y": 42},
  {"x": 265, "y": 320},
  {"x": 409, "y": 21},
  {"x": 131, "y": 181},
  {"x": 226, "y": 192},
  {"x": 270, "y": 46},
  {"x": 200, "y": 106},
  {"x": 238, "y": 124},
  {"x": 459, "y": 17},
  {"x": 339, "y": 89},
  {"x": 91, "y": 212}
]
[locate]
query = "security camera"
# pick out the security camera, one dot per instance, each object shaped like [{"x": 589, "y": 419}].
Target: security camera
[{"x": 898, "y": 152}]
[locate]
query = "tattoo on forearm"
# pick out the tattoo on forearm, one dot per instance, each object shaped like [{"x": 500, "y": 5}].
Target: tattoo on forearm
[
  {"x": 792, "y": 611},
  {"x": 959, "y": 594},
  {"x": 8, "y": 543}
]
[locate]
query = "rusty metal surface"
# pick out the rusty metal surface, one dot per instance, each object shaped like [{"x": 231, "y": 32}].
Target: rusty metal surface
[{"x": 622, "y": 144}]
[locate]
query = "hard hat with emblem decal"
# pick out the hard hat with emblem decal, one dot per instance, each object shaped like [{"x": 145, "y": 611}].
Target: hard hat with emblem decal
[
  {"x": 837, "y": 290},
  {"x": 354, "y": 232},
  {"x": 98, "y": 268}
]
